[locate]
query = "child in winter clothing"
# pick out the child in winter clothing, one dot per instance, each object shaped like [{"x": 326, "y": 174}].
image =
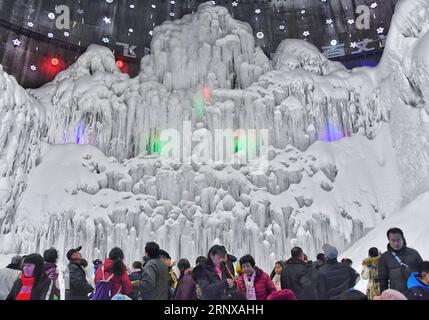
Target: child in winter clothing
[
  {"x": 276, "y": 275},
  {"x": 370, "y": 272}
]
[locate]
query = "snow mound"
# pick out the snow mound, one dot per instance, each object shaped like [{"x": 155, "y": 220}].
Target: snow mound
[
  {"x": 293, "y": 54},
  {"x": 22, "y": 124},
  {"x": 404, "y": 92}
]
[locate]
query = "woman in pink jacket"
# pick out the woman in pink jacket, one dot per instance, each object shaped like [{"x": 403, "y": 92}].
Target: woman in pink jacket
[
  {"x": 121, "y": 284},
  {"x": 254, "y": 283}
]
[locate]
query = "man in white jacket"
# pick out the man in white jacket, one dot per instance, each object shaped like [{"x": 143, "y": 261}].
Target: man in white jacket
[{"x": 9, "y": 275}]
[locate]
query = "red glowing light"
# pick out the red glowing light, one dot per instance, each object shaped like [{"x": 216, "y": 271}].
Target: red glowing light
[
  {"x": 206, "y": 93},
  {"x": 120, "y": 64},
  {"x": 50, "y": 66}
]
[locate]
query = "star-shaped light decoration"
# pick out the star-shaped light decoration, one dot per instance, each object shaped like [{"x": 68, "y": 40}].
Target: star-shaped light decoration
[
  {"x": 258, "y": 11},
  {"x": 107, "y": 20},
  {"x": 172, "y": 14},
  {"x": 351, "y": 21},
  {"x": 16, "y": 42},
  {"x": 234, "y": 4},
  {"x": 374, "y": 5},
  {"x": 380, "y": 30},
  {"x": 353, "y": 44},
  {"x": 105, "y": 40},
  {"x": 50, "y": 35},
  {"x": 306, "y": 33},
  {"x": 151, "y": 32},
  {"x": 334, "y": 42},
  {"x": 33, "y": 67},
  {"x": 260, "y": 35},
  {"x": 281, "y": 27},
  {"x": 30, "y": 24},
  {"x": 329, "y": 21}
]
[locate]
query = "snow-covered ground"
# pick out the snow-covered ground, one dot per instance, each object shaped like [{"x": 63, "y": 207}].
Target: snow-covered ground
[{"x": 79, "y": 162}]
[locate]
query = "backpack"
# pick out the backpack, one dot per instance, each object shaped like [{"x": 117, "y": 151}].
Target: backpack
[{"x": 103, "y": 289}]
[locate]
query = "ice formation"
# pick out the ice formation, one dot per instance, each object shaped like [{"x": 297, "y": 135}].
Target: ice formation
[{"x": 79, "y": 158}]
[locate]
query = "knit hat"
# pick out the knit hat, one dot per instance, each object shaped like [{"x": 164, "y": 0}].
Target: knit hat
[
  {"x": 331, "y": 252},
  {"x": 16, "y": 260},
  {"x": 391, "y": 294}
]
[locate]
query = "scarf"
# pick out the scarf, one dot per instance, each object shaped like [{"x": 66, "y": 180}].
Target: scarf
[
  {"x": 27, "y": 287},
  {"x": 277, "y": 282},
  {"x": 218, "y": 271},
  {"x": 250, "y": 286}
]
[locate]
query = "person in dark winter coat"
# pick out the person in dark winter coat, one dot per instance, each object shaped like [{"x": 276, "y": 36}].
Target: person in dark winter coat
[
  {"x": 254, "y": 283},
  {"x": 155, "y": 277},
  {"x": 228, "y": 265},
  {"x": 9, "y": 275},
  {"x": 33, "y": 283},
  {"x": 76, "y": 284},
  {"x": 198, "y": 261},
  {"x": 186, "y": 288},
  {"x": 211, "y": 278},
  {"x": 50, "y": 257},
  {"x": 398, "y": 262},
  {"x": 320, "y": 260},
  {"x": 136, "y": 275},
  {"x": 334, "y": 277},
  {"x": 418, "y": 283},
  {"x": 299, "y": 276},
  {"x": 115, "y": 266}
]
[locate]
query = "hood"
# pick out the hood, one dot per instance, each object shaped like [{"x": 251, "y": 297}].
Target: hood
[
  {"x": 413, "y": 282},
  {"x": 370, "y": 261}
]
